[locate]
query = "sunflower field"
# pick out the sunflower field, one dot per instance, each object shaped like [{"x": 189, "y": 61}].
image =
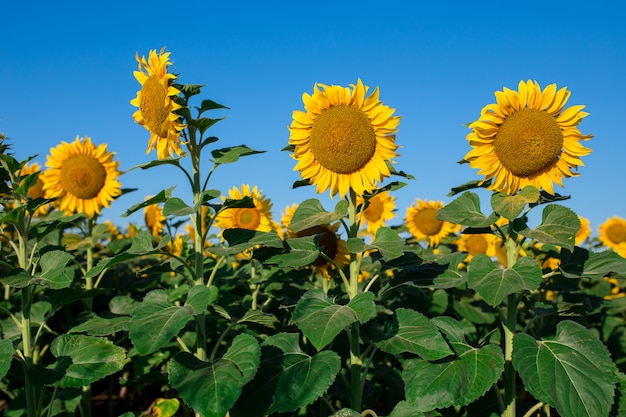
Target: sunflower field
[{"x": 213, "y": 308}]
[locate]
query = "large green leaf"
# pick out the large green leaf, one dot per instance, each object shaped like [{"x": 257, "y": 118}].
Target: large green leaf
[
  {"x": 387, "y": 242},
  {"x": 54, "y": 272},
  {"x": 240, "y": 240},
  {"x": 494, "y": 283},
  {"x": 455, "y": 382},
  {"x": 211, "y": 388},
  {"x": 465, "y": 210},
  {"x": 82, "y": 360},
  {"x": 302, "y": 251},
  {"x": 510, "y": 206},
  {"x": 573, "y": 372},
  {"x": 232, "y": 154},
  {"x": 595, "y": 265},
  {"x": 200, "y": 297},
  {"x": 321, "y": 320},
  {"x": 102, "y": 326},
  {"x": 559, "y": 226},
  {"x": 310, "y": 213},
  {"x": 405, "y": 409},
  {"x": 156, "y": 321},
  {"x": 412, "y": 332},
  {"x": 6, "y": 355}
]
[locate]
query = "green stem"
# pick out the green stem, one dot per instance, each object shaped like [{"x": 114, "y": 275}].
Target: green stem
[
  {"x": 356, "y": 385},
  {"x": 509, "y": 328},
  {"x": 29, "y": 388}
]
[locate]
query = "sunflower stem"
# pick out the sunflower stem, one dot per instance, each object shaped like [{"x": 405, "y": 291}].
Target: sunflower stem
[{"x": 509, "y": 328}]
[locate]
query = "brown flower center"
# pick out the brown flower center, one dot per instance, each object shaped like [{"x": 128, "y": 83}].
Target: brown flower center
[
  {"x": 327, "y": 242},
  {"x": 476, "y": 244},
  {"x": 617, "y": 233},
  {"x": 528, "y": 141},
  {"x": 247, "y": 218},
  {"x": 426, "y": 221},
  {"x": 83, "y": 176},
  {"x": 154, "y": 109},
  {"x": 343, "y": 139}
]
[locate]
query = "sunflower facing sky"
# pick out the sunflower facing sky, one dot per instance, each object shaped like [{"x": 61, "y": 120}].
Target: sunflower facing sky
[
  {"x": 379, "y": 210},
  {"x": 82, "y": 177},
  {"x": 157, "y": 107},
  {"x": 527, "y": 138},
  {"x": 422, "y": 222},
  {"x": 258, "y": 217},
  {"x": 612, "y": 234},
  {"x": 343, "y": 140}
]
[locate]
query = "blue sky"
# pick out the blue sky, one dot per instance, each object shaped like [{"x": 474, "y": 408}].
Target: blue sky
[{"x": 66, "y": 70}]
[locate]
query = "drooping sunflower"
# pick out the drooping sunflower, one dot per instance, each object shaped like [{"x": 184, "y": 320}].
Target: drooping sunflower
[
  {"x": 379, "y": 210},
  {"x": 344, "y": 139},
  {"x": 612, "y": 234},
  {"x": 157, "y": 104},
  {"x": 83, "y": 177},
  {"x": 527, "y": 138},
  {"x": 258, "y": 217},
  {"x": 154, "y": 218},
  {"x": 422, "y": 222},
  {"x": 330, "y": 242}
]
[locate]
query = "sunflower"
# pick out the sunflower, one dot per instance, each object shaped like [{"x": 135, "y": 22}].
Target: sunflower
[
  {"x": 477, "y": 243},
  {"x": 258, "y": 217},
  {"x": 612, "y": 234},
  {"x": 34, "y": 191},
  {"x": 344, "y": 140},
  {"x": 526, "y": 138},
  {"x": 82, "y": 177},
  {"x": 154, "y": 218},
  {"x": 157, "y": 104},
  {"x": 422, "y": 222},
  {"x": 584, "y": 232},
  {"x": 332, "y": 245},
  {"x": 379, "y": 210}
]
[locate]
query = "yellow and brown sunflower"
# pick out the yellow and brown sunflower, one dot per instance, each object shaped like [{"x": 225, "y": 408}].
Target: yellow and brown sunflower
[
  {"x": 527, "y": 138},
  {"x": 83, "y": 177},
  {"x": 477, "y": 243},
  {"x": 157, "y": 104},
  {"x": 612, "y": 234},
  {"x": 154, "y": 219},
  {"x": 422, "y": 222},
  {"x": 379, "y": 210},
  {"x": 330, "y": 242},
  {"x": 258, "y": 217},
  {"x": 344, "y": 140}
]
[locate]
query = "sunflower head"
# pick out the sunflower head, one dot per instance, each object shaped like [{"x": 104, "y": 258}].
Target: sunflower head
[
  {"x": 82, "y": 177},
  {"x": 422, "y": 222},
  {"x": 612, "y": 234},
  {"x": 584, "y": 232},
  {"x": 344, "y": 139},
  {"x": 378, "y": 210},
  {"x": 156, "y": 102},
  {"x": 35, "y": 190},
  {"x": 154, "y": 219},
  {"x": 258, "y": 217},
  {"x": 477, "y": 243},
  {"x": 527, "y": 138}
]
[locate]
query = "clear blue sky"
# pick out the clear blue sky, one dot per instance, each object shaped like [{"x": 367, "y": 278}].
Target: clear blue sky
[{"x": 66, "y": 70}]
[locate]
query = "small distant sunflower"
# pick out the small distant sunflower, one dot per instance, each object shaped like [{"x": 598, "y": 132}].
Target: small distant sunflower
[
  {"x": 612, "y": 234},
  {"x": 154, "y": 218},
  {"x": 36, "y": 190},
  {"x": 477, "y": 243},
  {"x": 157, "y": 104},
  {"x": 526, "y": 138},
  {"x": 422, "y": 222},
  {"x": 616, "y": 290},
  {"x": 82, "y": 177},
  {"x": 344, "y": 139},
  {"x": 258, "y": 217},
  {"x": 379, "y": 210},
  {"x": 584, "y": 232}
]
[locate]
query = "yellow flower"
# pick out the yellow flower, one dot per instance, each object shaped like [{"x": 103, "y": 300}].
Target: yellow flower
[
  {"x": 35, "y": 191},
  {"x": 584, "y": 232},
  {"x": 477, "y": 243},
  {"x": 526, "y": 138},
  {"x": 114, "y": 232},
  {"x": 344, "y": 140},
  {"x": 379, "y": 210},
  {"x": 612, "y": 234},
  {"x": 157, "y": 105},
  {"x": 258, "y": 217},
  {"x": 616, "y": 290},
  {"x": 422, "y": 222},
  {"x": 82, "y": 177},
  {"x": 154, "y": 218}
]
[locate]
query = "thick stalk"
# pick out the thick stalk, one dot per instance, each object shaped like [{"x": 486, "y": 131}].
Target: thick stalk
[
  {"x": 356, "y": 365},
  {"x": 512, "y": 253}
]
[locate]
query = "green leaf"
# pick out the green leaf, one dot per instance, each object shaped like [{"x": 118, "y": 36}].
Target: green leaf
[
  {"x": 53, "y": 269},
  {"x": 310, "y": 213},
  {"x": 160, "y": 197},
  {"x": 6, "y": 355},
  {"x": 320, "y": 320},
  {"x": 302, "y": 251},
  {"x": 211, "y": 388},
  {"x": 455, "y": 382},
  {"x": 259, "y": 317},
  {"x": 232, "y": 154},
  {"x": 412, "y": 332},
  {"x": 200, "y": 297},
  {"x": 468, "y": 185},
  {"x": 241, "y": 240},
  {"x": 102, "y": 326},
  {"x": 176, "y": 207},
  {"x": 405, "y": 409},
  {"x": 346, "y": 412},
  {"x": 559, "y": 226},
  {"x": 164, "y": 407},
  {"x": 142, "y": 243},
  {"x": 494, "y": 283},
  {"x": 595, "y": 265},
  {"x": 573, "y": 372},
  {"x": 301, "y": 379},
  {"x": 82, "y": 360},
  {"x": 510, "y": 206},
  {"x": 156, "y": 321},
  {"x": 387, "y": 242},
  {"x": 465, "y": 210}
]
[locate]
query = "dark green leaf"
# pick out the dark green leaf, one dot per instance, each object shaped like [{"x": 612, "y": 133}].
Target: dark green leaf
[
  {"x": 177, "y": 207},
  {"x": 6, "y": 355},
  {"x": 200, "y": 297},
  {"x": 583, "y": 263},
  {"x": 465, "y": 210},
  {"x": 510, "y": 206},
  {"x": 161, "y": 197},
  {"x": 310, "y": 213},
  {"x": 232, "y": 154},
  {"x": 559, "y": 226},
  {"x": 241, "y": 240},
  {"x": 405, "y": 409},
  {"x": 573, "y": 372},
  {"x": 102, "y": 326}
]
